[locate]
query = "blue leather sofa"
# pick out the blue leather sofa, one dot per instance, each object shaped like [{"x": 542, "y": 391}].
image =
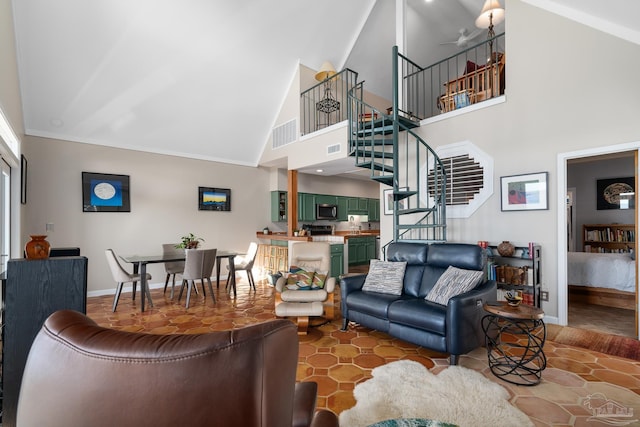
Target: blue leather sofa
[{"x": 454, "y": 328}]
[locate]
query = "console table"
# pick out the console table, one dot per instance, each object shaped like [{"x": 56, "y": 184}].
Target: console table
[{"x": 33, "y": 290}]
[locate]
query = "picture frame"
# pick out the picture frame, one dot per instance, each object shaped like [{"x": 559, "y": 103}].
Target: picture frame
[
  {"x": 525, "y": 192},
  {"x": 388, "y": 201},
  {"x": 214, "y": 199},
  {"x": 615, "y": 193},
  {"x": 104, "y": 192},
  {"x": 23, "y": 179}
]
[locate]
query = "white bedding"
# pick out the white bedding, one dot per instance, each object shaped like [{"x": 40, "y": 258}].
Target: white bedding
[{"x": 614, "y": 271}]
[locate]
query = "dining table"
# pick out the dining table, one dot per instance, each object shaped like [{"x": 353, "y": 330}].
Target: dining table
[{"x": 140, "y": 263}]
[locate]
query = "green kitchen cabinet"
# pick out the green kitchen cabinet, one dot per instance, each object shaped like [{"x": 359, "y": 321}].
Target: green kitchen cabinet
[
  {"x": 374, "y": 210},
  {"x": 306, "y": 207},
  {"x": 337, "y": 260},
  {"x": 361, "y": 249},
  {"x": 357, "y": 206},
  {"x": 278, "y": 206},
  {"x": 325, "y": 199},
  {"x": 341, "y": 201}
]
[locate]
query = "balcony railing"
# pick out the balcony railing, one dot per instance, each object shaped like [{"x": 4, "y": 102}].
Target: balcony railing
[
  {"x": 474, "y": 75},
  {"x": 325, "y": 104}
]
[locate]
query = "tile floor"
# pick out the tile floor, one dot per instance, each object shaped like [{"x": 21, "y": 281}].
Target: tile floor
[{"x": 339, "y": 360}]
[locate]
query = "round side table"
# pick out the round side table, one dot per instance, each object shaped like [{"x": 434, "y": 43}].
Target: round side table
[{"x": 515, "y": 338}]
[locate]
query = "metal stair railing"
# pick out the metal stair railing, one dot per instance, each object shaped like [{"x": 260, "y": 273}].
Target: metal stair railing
[{"x": 401, "y": 159}]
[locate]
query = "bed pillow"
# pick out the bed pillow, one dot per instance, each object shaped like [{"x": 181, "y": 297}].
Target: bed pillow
[
  {"x": 454, "y": 281},
  {"x": 385, "y": 277}
]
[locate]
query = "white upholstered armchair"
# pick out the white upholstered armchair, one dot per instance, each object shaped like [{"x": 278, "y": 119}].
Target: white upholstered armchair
[{"x": 305, "y": 294}]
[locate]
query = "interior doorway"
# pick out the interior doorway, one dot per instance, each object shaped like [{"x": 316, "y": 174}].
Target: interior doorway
[{"x": 593, "y": 302}]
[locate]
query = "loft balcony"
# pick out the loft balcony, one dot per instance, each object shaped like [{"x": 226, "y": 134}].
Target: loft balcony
[{"x": 474, "y": 75}]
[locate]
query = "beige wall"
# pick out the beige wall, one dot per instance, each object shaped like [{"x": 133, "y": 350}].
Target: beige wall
[
  {"x": 569, "y": 88},
  {"x": 164, "y": 194}
]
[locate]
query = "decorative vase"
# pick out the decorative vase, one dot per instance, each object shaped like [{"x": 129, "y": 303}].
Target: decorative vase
[
  {"x": 37, "y": 247},
  {"x": 506, "y": 249}
]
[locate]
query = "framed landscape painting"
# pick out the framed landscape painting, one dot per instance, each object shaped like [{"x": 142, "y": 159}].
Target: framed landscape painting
[{"x": 214, "y": 199}]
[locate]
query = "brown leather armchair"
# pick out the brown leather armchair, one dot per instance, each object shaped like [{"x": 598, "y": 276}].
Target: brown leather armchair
[{"x": 80, "y": 374}]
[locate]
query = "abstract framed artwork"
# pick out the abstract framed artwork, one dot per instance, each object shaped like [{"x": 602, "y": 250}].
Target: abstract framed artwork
[
  {"x": 23, "y": 180},
  {"x": 214, "y": 199},
  {"x": 103, "y": 192},
  {"x": 615, "y": 193},
  {"x": 526, "y": 192},
  {"x": 388, "y": 201}
]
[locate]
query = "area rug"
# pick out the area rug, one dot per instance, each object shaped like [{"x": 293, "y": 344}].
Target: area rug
[
  {"x": 613, "y": 345},
  {"x": 457, "y": 395}
]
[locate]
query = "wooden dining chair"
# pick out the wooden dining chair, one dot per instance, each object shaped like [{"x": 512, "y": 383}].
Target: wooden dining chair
[{"x": 198, "y": 265}]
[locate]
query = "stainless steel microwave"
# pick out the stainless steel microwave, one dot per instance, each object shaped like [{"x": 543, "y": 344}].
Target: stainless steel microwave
[{"x": 326, "y": 211}]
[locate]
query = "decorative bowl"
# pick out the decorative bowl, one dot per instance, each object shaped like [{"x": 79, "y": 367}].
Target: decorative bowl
[{"x": 513, "y": 301}]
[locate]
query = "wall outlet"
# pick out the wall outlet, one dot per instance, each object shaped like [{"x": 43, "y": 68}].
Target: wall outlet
[{"x": 544, "y": 295}]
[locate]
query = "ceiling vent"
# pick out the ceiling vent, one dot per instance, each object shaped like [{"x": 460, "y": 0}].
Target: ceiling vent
[
  {"x": 285, "y": 134},
  {"x": 332, "y": 149}
]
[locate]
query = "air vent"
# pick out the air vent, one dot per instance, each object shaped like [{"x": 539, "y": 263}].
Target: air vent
[
  {"x": 469, "y": 178},
  {"x": 332, "y": 149},
  {"x": 285, "y": 134}
]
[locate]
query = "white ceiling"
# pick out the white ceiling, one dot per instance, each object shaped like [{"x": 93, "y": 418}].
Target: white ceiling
[{"x": 205, "y": 79}]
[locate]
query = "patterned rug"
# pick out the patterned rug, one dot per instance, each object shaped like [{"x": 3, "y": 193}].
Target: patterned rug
[
  {"x": 614, "y": 345},
  {"x": 406, "y": 389}
]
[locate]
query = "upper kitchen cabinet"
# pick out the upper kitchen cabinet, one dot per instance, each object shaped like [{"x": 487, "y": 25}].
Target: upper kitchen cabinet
[
  {"x": 374, "y": 210},
  {"x": 278, "y": 206},
  {"x": 357, "y": 206},
  {"x": 306, "y": 207}
]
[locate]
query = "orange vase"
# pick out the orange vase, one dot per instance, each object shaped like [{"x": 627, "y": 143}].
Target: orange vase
[{"x": 37, "y": 247}]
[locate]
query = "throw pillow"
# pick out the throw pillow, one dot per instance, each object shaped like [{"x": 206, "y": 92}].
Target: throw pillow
[
  {"x": 319, "y": 279},
  {"x": 300, "y": 280},
  {"x": 454, "y": 281},
  {"x": 385, "y": 277}
]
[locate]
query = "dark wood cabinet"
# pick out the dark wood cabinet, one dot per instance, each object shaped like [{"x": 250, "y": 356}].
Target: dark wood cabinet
[{"x": 33, "y": 290}]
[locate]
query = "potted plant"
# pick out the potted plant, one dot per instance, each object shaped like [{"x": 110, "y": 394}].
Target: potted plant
[{"x": 189, "y": 241}]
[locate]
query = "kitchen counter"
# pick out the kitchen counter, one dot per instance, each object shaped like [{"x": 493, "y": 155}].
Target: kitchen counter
[
  {"x": 338, "y": 237},
  {"x": 282, "y": 236}
]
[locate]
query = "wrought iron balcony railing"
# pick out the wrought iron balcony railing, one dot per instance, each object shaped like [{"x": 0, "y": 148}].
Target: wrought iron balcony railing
[
  {"x": 325, "y": 104},
  {"x": 474, "y": 75}
]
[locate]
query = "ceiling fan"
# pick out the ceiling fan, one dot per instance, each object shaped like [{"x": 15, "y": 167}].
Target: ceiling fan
[{"x": 465, "y": 37}]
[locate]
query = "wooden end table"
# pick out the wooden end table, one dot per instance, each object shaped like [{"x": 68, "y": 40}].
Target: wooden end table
[{"x": 515, "y": 338}]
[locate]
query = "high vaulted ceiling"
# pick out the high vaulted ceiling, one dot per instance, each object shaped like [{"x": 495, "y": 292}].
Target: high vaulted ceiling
[{"x": 205, "y": 79}]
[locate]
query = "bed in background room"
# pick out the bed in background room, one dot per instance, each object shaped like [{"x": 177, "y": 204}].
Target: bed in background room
[{"x": 602, "y": 278}]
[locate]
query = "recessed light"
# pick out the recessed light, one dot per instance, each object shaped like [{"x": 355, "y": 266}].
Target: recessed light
[{"x": 319, "y": 170}]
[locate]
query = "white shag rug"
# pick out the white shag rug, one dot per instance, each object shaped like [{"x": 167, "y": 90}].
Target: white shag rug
[{"x": 457, "y": 395}]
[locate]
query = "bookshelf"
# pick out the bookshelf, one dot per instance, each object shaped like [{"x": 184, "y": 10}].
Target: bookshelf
[
  {"x": 518, "y": 272},
  {"x": 609, "y": 238}
]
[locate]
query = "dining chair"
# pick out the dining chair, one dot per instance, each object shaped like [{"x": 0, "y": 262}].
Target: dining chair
[
  {"x": 245, "y": 263},
  {"x": 121, "y": 276},
  {"x": 198, "y": 265},
  {"x": 173, "y": 267}
]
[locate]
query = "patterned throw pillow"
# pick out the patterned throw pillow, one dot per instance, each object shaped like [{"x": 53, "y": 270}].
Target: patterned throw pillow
[
  {"x": 385, "y": 277},
  {"x": 319, "y": 280},
  {"x": 299, "y": 279},
  {"x": 454, "y": 281}
]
